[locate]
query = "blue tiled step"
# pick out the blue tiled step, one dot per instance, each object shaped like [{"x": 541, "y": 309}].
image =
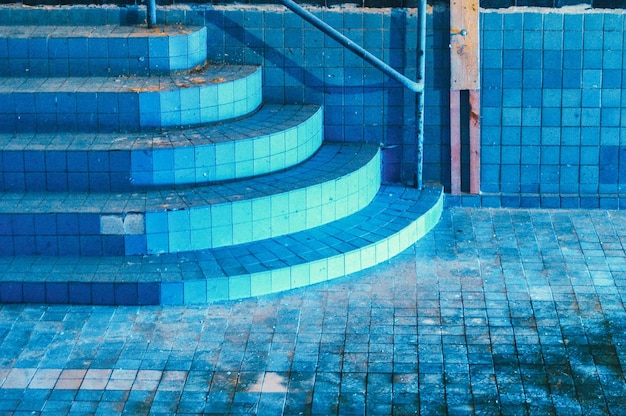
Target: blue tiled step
[
  {"x": 81, "y": 51},
  {"x": 274, "y": 138},
  {"x": 214, "y": 93},
  {"x": 396, "y": 218},
  {"x": 337, "y": 181}
]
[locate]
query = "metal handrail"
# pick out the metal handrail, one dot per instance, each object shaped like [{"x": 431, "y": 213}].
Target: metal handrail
[
  {"x": 415, "y": 86},
  {"x": 349, "y": 44}
]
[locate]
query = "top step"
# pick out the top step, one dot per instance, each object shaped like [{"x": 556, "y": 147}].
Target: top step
[{"x": 80, "y": 51}]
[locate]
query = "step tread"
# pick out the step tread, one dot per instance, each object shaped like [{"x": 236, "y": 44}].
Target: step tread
[
  {"x": 269, "y": 119},
  {"x": 332, "y": 161},
  {"x": 209, "y": 75},
  {"x": 103, "y": 31},
  {"x": 393, "y": 209}
]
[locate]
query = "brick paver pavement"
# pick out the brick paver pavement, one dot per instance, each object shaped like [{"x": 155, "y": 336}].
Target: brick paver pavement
[{"x": 496, "y": 312}]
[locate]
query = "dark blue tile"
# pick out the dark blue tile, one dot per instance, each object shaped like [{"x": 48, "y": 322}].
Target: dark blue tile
[
  {"x": 34, "y": 292},
  {"x": 552, "y": 78},
  {"x": 4, "y": 52},
  {"x": 57, "y": 292},
  {"x": 149, "y": 293},
  {"x": 91, "y": 245},
  {"x": 551, "y": 116},
  {"x": 510, "y": 201},
  {"x": 611, "y": 79},
  {"x": 68, "y": 245},
  {"x": 103, "y": 293},
  {"x": 6, "y": 227},
  {"x": 45, "y": 224},
  {"x": 611, "y": 117},
  {"x": 13, "y": 161},
  {"x": 24, "y": 245},
  {"x": 78, "y": 48},
  {"x": 120, "y": 181},
  {"x": 79, "y": 292},
  {"x": 58, "y": 48},
  {"x": 552, "y": 59},
  {"x": 56, "y": 161},
  {"x": 18, "y": 48},
  {"x": 108, "y": 103},
  {"x": 77, "y": 182},
  {"x": 550, "y": 201},
  {"x": 492, "y": 78},
  {"x": 46, "y": 245},
  {"x": 23, "y": 224},
  {"x": 98, "y": 161},
  {"x": 11, "y": 292},
  {"x": 67, "y": 224},
  {"x": 56, "y": 181},
  {"x": 18, "y": 67},
  {"x": 533, "y": 78},
  {"x": 512, "y": 59},
  {"x": 6, "y": 245},
  {"x": 572, "y": 78},
  {"x": 126, "y": 293},
  {"x": 572, "y": 59},
  {"x": 570, "y": 202},
  {"x": 118, "y": 47},
  {"x": 87, "y": 102},
  {"x": 589, "y": 202},
  {"x": 14, "y": 181},
  {"x": 533, "y": 59},
  {"x": 24, "y": 103},
  {"x": 609, "y": 174},
  {"x": 98, "y": 47},
  {"x": 609, "y": 202},
  {"x": 609, "y": 155},
  {"x": 113, "y": 245},
  {"x": 530, "y": 201},
  {"x": 34, "y": 161}
]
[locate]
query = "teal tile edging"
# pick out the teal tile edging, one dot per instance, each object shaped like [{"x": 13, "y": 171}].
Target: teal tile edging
[
  {"x": 308, "y": 273},
  {"x": 239, "y": 222}
]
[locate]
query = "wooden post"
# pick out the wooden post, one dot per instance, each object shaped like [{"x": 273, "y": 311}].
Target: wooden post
[
  {"x": 474, "y": 137},
  {"x": 464, "y": 75},
  {"x": 455, "y": 142}
]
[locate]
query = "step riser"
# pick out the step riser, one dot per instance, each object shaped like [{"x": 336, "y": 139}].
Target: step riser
[
  {"x": 99, "y": 53},
  {"x": 119, "y": 283},
  {"x": 305, "y": 274},
  {"x": 198, "y": 226},
  {"x": 132, "y": 110},
  {"x": 160, "y": 160}
]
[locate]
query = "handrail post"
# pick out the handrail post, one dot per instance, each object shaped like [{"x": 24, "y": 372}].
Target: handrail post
[
  {"x": 419, "y": 100},
  {"x": 151, "y": 13}
]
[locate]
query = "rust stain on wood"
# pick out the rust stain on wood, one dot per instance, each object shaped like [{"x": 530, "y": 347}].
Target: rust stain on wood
[{"x": 464, "y": 45}]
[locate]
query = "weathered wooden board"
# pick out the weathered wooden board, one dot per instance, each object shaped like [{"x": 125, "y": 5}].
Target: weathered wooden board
[
  {"x": 464, "y": 45},
  {"x": 474, "y": 136},
  {"x": 455, "y": 142}
]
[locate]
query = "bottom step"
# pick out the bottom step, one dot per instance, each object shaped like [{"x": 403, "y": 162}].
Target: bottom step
[{"x": 394, "y": 220}]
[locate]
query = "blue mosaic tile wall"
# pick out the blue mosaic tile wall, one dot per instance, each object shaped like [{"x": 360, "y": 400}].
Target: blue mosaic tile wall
[{"x": 553, "y": 119}]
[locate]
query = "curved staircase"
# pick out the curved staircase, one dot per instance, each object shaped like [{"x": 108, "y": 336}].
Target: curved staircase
[{"x": 132, "y": 173}]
